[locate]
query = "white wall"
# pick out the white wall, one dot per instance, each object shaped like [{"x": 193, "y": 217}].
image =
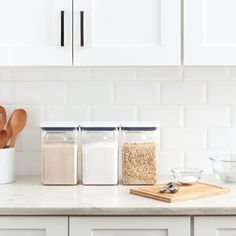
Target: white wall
[{"x": 195, "y": 105}]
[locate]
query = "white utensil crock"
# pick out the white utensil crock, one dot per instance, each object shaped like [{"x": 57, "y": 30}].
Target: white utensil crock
[{"x": 7, "y": 165}]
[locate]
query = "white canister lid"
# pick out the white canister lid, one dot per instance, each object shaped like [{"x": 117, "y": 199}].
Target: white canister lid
[
  {"x": 140, "y": 125},
  {"x": 99, "y": 125},
  {"x": 59, "y": 125}
]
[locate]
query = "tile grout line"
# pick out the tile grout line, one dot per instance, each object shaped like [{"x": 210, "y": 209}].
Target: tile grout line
[
  {"x": 228, "y": 73},
  {"x": 185, "y": 158},
  {"x": 206, "y": 98},
  {"x": 90, "y": 111},
  {"x": 137, "y": 112},
  {"x": 207, "y": 138}
]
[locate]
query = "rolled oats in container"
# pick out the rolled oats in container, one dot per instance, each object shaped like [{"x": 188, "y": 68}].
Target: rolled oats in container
[{"x": 139, "y": 153}]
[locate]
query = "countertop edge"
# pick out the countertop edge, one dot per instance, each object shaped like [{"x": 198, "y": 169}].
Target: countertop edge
[{"x": 216, "y": 211}]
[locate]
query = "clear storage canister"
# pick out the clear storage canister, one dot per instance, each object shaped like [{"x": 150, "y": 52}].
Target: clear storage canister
[
  {"x": 59, "y": 152},
  {"x": 99, "y": 154},
  {"x": 139, "y": 153}
]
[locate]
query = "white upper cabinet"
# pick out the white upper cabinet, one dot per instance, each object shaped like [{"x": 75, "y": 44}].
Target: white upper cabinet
[
  {"x": 127, "y": 32},
  {"x": 209, "y": 32},
  {"x": 32, "y": 32}
]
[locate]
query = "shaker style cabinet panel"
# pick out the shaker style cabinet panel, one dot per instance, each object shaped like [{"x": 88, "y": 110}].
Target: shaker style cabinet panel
[
  {"x": 33, "y": 226},
  {"x": 215, "y": 226},
  {"x": 209, "y": 32},
  {"x": 130, "y": 226},
  {"x": 127, "y": 32},
  {"x": 35, "y": 32}
]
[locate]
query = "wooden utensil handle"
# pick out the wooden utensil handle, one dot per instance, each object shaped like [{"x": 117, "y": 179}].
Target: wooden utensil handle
[
  {"x": 3, "y": 117},
  {"x": 12, "y": 142}
]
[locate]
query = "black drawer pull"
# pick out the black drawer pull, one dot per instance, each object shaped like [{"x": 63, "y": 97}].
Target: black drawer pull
[
  {"x": 81, "y": 28},
  {"x": 62, "y": 28}
]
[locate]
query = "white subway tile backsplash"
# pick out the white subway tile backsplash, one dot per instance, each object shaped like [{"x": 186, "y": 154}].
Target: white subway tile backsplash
[
  {"x": 183, "y": 92},
  {"x": 183, "y": 139},
  {"x": 201, "y": 159},
  {"x": 113, "y": 112},
  {"x": 112, "y": 73},
  {"x": 41, "y": 93},
  {"x": 196, "y": 106},
  {"x": 67, "y": 112},
  {"x": 28, "y": 163},
  {"x": 232, "y": 73},
  {"x": 221, "y": 92},
  {"x": 205, "y": 73},
  {"x": 168, "y": 160},
  {"x": 91, "y": 92},
  {"x": 34, "y": 112},
  {"x": 207, "y": 116},
  {"x": 222, "y": 139},
  {"x": 233, "y": 115},
  {"x": 4, "y": 74},
  {"x": 168, "y": 116},
  {"x": 159, "y": 73},
  {"x": 7, "y": 93},
  {"x": 25, "y": 74},
  {"x": 136, "y": 92},
  {"x": 65, "y": 73},
  {"x": 30, "y": 140}
]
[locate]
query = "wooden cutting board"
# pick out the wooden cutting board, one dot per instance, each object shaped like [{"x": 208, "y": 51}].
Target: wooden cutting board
[{"x": 186, "y": 192}]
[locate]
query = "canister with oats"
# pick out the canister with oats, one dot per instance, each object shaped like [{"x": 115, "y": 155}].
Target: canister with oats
[{"x": 139, "y": 153}]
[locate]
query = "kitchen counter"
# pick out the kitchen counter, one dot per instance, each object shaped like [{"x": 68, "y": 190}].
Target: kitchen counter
[{"x": 28, "y": 197}]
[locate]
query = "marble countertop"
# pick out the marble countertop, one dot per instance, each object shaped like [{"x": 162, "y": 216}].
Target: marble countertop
[{"x": 28, "y": 197}]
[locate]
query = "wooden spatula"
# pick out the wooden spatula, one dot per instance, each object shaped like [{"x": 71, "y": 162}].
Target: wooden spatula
[
  {"x": 3, "y": 117},
  {"x": 17, "y": 124},
  {"x": 3, "y": 138},
  {"x": 9, "y": 131}
]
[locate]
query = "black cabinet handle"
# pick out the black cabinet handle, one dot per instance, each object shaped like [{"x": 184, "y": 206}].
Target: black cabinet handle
[
  {"x": 81, "y": 28},
  {"x": 62, "y": 28}
]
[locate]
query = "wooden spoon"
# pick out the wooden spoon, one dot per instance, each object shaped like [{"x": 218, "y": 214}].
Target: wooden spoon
[
  {"x": 17, "y": 123},
  {"x": 3, "y": 117},
  {"x": 9, "y": 131},
  {"x": 3, "y": 138}
]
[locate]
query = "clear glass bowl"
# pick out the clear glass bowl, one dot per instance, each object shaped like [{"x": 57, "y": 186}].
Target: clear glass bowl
[
  {"x": 187, "y": 176},
  {"x": 224, "y": 167}
]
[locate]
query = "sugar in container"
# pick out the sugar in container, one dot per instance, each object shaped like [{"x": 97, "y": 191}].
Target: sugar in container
[{"x": 99, "y": 149}]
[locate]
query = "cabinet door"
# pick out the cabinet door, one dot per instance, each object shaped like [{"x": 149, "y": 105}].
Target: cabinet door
[
  {"x": 215, "y": 226},
  {"x": 210, "y": 35},
  {"x": 33, "y": 226},
  {"x": 130, "y": 226},
  {"x": 32, "y": 32},
  {"x": 126, "y": 32}
]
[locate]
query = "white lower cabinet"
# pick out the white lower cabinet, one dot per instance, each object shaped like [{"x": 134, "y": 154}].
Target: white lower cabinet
[
  {"x": 215, "y": 226},
  {"x": 130, "y": 226},
  {"x": 33, "y": 226},
  {"x": 117, "y": 226}
]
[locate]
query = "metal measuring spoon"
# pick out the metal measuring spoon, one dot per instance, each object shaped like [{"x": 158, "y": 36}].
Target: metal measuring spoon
[
  {"x": 170, "y": 187},
  {"x": 166, "y": 187},
  {"x": 174, "y": 189}
]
